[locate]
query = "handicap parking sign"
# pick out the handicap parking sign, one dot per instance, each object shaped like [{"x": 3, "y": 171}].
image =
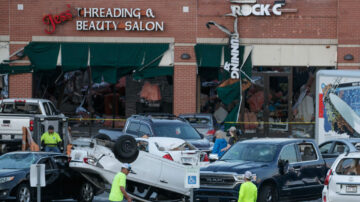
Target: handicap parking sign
[{"x": 191, "y": 179}]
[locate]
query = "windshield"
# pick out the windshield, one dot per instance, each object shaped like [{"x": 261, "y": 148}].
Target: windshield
[
  {"x": 250, "y": 152},
  {"x": 17, "y": 160},
  {"x": 199, "y": 121},
  {"x": 182, "y": 131},
  {"x": 20, "y": 108},
  {"x": 348, "y": 166}
]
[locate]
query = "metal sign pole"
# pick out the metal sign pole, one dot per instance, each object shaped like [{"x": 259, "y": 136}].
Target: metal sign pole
[
  {"x": 191, "y": 195},
  {"x": 38, "y": 183}
]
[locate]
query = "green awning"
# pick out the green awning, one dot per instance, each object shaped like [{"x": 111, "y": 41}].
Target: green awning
[
  {"x": 109, "y": 74},
  {"x": 153, "y": 72},
  {"x": 6, "y": 69},
  {"x": 74, "y": 56},
  {"x": 229, "y": 93},
  {"x": 231, "y": 118},
  {"x": 209, "y": 55},
  {"x": 126, "y": 55},
  {"x": 109, "y": 61},
  {"x": 124, "y": 58},
  {"x": 43, "y": 55},
  {"x": 247, "y": 68}
]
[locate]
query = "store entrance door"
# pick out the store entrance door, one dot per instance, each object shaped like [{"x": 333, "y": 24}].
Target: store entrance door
[{"x": 269, "y": 102}]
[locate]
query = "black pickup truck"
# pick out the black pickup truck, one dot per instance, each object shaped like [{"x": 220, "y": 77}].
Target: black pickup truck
[{"x": 283, "y": 169}]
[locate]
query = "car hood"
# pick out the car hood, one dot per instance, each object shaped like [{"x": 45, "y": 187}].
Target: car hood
[
  {"x": 10, "y": 172},
  {"x": 234, "y": 166},
  {"x": 202, "y": 144}
]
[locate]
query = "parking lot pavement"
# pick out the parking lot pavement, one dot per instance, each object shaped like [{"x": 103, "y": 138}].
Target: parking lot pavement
[{"x": 104, "y": 197}]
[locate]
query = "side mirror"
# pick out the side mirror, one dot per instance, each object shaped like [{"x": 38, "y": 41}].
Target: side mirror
[
  {"x": 283, "y": 166},
  {"x": 92, "y": 145}
]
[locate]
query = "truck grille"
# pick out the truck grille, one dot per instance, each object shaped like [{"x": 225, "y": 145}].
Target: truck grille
[{"x": 215, "y": 180}]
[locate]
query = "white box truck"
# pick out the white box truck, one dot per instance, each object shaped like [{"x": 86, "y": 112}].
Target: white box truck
[{"x": 337, "y": 104}]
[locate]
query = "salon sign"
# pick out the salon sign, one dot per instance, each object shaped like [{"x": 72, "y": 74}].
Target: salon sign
[{"x": 105, "y": 19}]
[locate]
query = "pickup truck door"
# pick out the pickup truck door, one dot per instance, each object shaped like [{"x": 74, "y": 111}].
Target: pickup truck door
[
  {"x": 311, "y": 169},
  {"x": 173, "y": 175},
  {"x": 291, "y": 184},
  {"x": 147, "y": 167}
]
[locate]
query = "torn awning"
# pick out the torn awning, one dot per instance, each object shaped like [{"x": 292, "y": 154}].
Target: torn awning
[
  {"x": 42, "y": 55},
  {"x": 74, "y": 56},
  {"x": 209, "y": 55},
  {"x": 122, "y": 59},
  {"x": 108, "y": 61}
]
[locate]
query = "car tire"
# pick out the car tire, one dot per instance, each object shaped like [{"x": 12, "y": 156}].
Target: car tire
[
  {"x": 267, "y": 194},
  {"x": 23, "y": 193},
  {"x": 86, "y": 192},
  {"x": 125, "y": 149}
]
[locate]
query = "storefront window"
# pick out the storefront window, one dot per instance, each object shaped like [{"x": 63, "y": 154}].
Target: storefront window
[{"x": 279, "y": 103}]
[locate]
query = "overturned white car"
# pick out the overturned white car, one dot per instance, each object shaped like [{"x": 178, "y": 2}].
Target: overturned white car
[{"x": 158, "y": 164}]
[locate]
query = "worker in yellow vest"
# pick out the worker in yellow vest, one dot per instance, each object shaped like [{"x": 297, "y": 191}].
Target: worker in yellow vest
[
  {"x": 51, "y": 140},
  {"x": 248, "y": 190},
  {"x": 118, "y": 186}
]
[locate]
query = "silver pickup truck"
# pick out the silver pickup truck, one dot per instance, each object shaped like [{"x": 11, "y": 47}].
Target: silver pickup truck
[{"x": 18, "y": 113}]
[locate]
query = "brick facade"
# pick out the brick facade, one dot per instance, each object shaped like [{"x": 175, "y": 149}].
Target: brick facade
[
  {"x": 20, "y": 85},
  {"x": 320, "y": 19}
]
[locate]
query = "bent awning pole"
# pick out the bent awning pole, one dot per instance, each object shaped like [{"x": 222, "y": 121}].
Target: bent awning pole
[
  {"x": 57, "y": 79},
  {"x": 8, "y": 58},
  {"x": 240, "y": 69},
  {"x": 154, "y": 60}
]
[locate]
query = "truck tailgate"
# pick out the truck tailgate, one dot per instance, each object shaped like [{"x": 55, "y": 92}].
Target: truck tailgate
[{"x": 12, "y": 125}]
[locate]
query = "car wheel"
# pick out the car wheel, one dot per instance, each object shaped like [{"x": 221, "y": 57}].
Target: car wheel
[
  {"x": 86, "y": 192},
  {"x": 267, "y": 194},
  {"x": 23, "y": 193},
  {"x": 125, "y": 149}
]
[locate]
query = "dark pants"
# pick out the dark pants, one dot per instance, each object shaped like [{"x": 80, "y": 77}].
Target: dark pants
[{"x": 52, "y": 149}]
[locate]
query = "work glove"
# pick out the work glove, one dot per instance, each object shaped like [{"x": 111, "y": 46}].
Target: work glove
[{"x": 42, "y": 146}]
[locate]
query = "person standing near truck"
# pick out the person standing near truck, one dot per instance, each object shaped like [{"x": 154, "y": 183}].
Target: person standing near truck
[
  {"x": 234, "y": 138},
  {"x": 220, "y": 143},
  {"x": 51, "y": 140},
  {"x": 248, "y": 190},
  {"x": 118, "y": 191}
]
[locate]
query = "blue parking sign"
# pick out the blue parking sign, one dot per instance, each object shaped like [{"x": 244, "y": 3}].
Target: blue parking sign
[
  {"x": 191, "y": 179},
  {"x": 192, "y": 176}
]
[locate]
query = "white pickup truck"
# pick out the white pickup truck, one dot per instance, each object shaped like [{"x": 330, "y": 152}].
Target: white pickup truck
[{"x": 17, "y": 113}]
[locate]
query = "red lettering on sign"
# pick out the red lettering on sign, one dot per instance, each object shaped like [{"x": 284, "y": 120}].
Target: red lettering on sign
[
  {"x": 57, "y": 19},
  {"x": 321, "y": 106}
]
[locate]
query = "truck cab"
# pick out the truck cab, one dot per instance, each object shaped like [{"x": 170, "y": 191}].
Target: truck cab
[
  {"x": 286, "y": 169},
  {"x": 20, "y": 112}
]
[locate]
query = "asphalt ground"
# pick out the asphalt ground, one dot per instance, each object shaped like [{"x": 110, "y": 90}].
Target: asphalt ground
[{"x": 104, "y": 197}]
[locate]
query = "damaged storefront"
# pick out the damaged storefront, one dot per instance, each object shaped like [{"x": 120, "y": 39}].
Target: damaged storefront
[
  {"x": 265, "y": 88},
  {"x": 103, "y": 80}
]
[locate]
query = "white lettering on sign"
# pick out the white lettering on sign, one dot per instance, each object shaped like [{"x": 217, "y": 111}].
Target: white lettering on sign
[
  {"x": 99, "y": 25},
  {"x": 256, "y": 9},
  {"x": 233, "y": 66}
]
